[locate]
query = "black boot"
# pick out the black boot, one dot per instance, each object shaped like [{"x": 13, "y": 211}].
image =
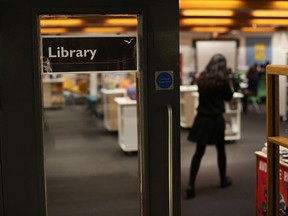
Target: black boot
[
  {"x": 226, "y": 182},
  {"x": 190, "y": 192}
]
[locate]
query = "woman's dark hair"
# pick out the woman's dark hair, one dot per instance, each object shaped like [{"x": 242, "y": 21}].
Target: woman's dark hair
[{"x": 214, "y": 75}]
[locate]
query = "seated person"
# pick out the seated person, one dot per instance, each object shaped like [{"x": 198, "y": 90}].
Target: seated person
[
  {"x": 131, "y": 91},
  {"x": 233, "y": 79},
  {"x": 127, "y": 81},
  {"x": 253, "y": 79}
]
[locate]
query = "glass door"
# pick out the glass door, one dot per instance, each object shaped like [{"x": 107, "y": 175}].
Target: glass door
[{"x": 89, "y": 68}]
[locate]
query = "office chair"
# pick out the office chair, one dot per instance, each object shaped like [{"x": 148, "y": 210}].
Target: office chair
[{"x": 256, "y": 100}]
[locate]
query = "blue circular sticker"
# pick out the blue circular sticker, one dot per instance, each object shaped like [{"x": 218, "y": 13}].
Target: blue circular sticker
[{"x": 164, "y": 80}]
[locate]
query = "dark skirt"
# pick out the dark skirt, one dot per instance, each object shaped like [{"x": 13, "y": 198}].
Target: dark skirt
[{"x": 207, "y": 130}]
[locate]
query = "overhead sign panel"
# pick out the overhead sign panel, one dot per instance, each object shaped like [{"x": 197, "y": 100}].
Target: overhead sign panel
[{"x": 89, "y": 54}]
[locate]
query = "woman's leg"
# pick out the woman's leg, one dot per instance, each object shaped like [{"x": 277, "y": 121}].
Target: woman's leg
[
  {"x": 221, "y": 159},
  {"x": 195, "y": 164}
]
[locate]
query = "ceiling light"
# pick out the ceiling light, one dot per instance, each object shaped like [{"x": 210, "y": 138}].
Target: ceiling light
[
  {"x": 270, "y": 22},
  {"x": 270, "y": 13},
  {"x": 211, "y": 4},
  {"x": 279, "y": 4},
  {"x": 53, "y": 30},
  {"x": 103, "y": 29},
  {"x": 209, "y": 21},
  {"x": 222, "y": 13},
  {"x": 209, "y": 29},
  {"x": 261, "y": 29},
  {"x": 61, "y": 22},
  {"x": 121, "y": 22}
]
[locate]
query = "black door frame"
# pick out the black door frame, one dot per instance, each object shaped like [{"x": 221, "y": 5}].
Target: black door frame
[{"x": 22, "y": 159}]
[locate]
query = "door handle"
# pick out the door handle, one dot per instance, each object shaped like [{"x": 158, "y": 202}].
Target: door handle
[{"x": 170, "y": 158}]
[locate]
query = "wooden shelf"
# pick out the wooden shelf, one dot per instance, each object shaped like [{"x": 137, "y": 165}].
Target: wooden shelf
[{"x": 281, "y": 141}]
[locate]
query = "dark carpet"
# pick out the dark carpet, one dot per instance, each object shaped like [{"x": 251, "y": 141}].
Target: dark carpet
[
  {"x": 238, "y": 199},
  {"x": 88, "y": 174}
]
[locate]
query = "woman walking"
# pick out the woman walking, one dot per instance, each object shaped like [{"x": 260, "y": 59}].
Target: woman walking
[{"x": 208, "y": 128}]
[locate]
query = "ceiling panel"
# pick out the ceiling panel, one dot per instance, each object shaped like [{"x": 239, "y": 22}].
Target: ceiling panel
[{"x": 199, "y": 16}]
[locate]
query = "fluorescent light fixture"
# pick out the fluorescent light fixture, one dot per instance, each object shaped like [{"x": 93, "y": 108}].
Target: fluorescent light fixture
[
  {"x": 185, "y": 4},
  {"x": 53, "y": 30},
  {"x": 61, "y": 22},
  {"x": 209, "y": 21},
  {"x": 209, "y": 29},
  {"x": 279, "y": 4},
  {"x": 103, "y": 29},
  {"x": 121, "y": 22},
  {"x": 270, "y": 13},
  {"x": 258, "y": 29},
  {"x": 270, "y": 22},
  {"x": 222, "y": 13}
]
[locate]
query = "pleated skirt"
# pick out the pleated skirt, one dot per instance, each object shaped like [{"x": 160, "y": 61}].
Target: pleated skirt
[{"x": 207, "y": 129}]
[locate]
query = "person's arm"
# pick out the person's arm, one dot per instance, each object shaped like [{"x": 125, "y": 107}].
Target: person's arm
[{"x": 228, "y": 90}]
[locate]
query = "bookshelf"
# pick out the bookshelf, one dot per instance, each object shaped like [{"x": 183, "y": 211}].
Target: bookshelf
[{"x": 53, "y": 93}]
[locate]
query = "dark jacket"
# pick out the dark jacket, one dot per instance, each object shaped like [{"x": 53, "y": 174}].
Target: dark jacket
[
  {"x": 212, "y": 103},
  {"x": 209, "y": 124}
]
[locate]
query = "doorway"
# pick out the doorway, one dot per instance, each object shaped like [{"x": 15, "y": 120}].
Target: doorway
[{"x": 90, "y": 114}]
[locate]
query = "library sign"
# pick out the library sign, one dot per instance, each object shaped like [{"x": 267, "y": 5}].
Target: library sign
[{"x": 89, "y": 54}]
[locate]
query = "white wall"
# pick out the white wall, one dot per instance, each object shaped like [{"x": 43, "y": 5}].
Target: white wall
[
  {"x": 188, "y": 52},
  {"x": 188, "y": 55},
  {"x": 241, "y": 63},
  {"x": 279, "y": 57},
  {"x": 206, "y": 49},
  {"x": 279, "y": 46}
]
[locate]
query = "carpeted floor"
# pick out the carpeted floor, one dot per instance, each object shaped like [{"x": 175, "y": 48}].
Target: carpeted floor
[
  {"x": 240, "y": 198},
  {"x": 88, "y": 174}
]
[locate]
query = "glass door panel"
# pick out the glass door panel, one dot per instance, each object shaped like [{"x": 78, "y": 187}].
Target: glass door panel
[{"x": 90, "y": 119}]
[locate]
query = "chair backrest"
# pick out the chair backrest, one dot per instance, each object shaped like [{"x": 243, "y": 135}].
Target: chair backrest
[{"x": 261, "y": 89}]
